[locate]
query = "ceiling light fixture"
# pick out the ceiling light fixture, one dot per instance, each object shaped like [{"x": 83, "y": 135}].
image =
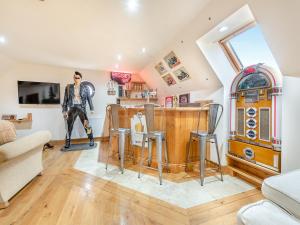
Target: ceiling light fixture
[
  {"x": 132, "y": 5},
  {"x": 2, "y": 40},
  {"x": 119, "y": 57},
  {"x": 224, "y": 28},
  {"x": 143, "y": 50}
]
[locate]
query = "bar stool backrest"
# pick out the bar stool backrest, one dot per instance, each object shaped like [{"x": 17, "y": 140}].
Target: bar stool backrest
[
  {"x": 149, "y": 114},
  {"x": 114, "y": 115},
  {"x": 214, "y": 116},
  {"x": 151, "y": 121}
]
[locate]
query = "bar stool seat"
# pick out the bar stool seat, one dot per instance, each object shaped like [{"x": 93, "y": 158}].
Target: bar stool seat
[
  {"x": 200, "y": 133},
  {"x": 118, "y": 130}
]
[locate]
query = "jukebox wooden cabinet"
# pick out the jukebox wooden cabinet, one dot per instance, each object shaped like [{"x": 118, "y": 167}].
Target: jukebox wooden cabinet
[{"x": 255, "y": 114}]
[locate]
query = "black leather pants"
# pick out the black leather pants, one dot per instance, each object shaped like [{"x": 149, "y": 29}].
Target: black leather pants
[{"x": 73, "y": 112}]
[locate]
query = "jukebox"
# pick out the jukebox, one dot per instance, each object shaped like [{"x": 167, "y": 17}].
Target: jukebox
[{"x": 255, "y": 115}]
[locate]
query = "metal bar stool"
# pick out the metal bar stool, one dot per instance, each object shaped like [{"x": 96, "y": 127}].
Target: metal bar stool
[
  {"x": 158, "y": 136},
  {"x": 121, "y": 133},
  {"x": 203, "y": 136}
]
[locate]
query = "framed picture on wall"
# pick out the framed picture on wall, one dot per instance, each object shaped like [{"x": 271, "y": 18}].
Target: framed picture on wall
[
  {"x": 161, "y": 69},
  {"x": 182, "y": 74},
  {"x": 172, "y": 60},
  {"x": 184, "y": 98},
  {"x": 169, "y": 102},
  {"x": 169, "y": 79}
]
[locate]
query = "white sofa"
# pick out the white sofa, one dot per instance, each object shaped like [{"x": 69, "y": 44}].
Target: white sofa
[
  {"x": 282, "y": 204},
  {"x": 20, "y": 162}
]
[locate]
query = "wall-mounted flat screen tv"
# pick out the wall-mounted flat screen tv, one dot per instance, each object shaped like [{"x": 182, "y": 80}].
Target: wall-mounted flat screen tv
[{"x": 30, "y": 92}]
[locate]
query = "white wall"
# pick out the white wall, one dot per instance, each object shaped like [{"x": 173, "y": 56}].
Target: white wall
[
  {"x": 48, "y": 116},
  {"x": 291, "y": 124}
]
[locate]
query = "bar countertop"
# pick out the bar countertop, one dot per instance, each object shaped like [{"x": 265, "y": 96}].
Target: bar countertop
[{"x": 174, "y": 108}]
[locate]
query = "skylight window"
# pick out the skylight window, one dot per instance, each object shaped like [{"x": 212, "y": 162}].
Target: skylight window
[{"x": 247, "y": 47}]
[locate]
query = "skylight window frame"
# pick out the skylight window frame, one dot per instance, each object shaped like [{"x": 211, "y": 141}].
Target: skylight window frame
[{"x": 228, "y": 49}]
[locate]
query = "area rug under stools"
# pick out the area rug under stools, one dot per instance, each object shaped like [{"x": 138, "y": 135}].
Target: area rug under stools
[
  {"x": 79, "y": 147},
  {"x": 185, "y": 194}
]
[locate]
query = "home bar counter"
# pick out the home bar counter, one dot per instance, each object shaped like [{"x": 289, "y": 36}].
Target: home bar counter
[{"x": 177, "y": 123}]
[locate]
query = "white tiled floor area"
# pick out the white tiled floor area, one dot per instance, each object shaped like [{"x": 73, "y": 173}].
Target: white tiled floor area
[{"x": 184, "y": 195}]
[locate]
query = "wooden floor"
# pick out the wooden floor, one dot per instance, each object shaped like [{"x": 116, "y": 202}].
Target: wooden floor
[{"x": 65, "y": 196}]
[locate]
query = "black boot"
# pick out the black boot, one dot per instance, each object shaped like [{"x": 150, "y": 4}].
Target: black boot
[
  {"x": 92, "y": 143},
  {"x": 68, "y": 143}
]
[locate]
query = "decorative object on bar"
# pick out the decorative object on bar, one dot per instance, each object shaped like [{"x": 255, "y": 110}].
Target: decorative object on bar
[
  {"x": 182, "y": 74},
  {"x": 111, "y": 87},
  {"x": 184, "y": 98},
  {"x": 138, "y": 127},
  {"x": 161, "y": 69},
  {"x": 172, "y": 60},
  {"x": 115, "y": 130},
  {"x": 169, "y": 102},
  {"x": 121, "y": 78},
  {"x": 175, "y": 101},
  {"x": 255, "y": 118},
  {"x": 169, "y": 79},
  {"x": 153, "y": 134},
  {"x": 203, "y": 137}
]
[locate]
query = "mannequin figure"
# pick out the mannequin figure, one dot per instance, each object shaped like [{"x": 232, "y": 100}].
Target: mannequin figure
[{"x": 74, "y": 105}]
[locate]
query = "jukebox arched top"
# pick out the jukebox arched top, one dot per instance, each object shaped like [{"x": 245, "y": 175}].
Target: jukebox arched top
[{"x": 257, "y": 76}]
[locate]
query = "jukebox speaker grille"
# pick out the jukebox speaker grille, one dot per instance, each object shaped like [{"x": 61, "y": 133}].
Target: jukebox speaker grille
[
  {"x": 241, "y": 121},
  {"x": 264, "y": 124}
]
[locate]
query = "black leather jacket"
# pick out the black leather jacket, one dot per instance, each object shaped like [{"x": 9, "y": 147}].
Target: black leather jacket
[{"x": 69, "y": 95}]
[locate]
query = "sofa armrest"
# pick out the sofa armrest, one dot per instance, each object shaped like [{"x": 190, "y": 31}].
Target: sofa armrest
[{"x": 22, "y": 145}]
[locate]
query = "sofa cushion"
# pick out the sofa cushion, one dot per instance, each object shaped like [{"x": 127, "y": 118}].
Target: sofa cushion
[
  {"x": 284, "y": 190},
  {"x": 265, "y": 212},
  {"x": 7, "y": 132},
  {"x": 23, "y": 145}
]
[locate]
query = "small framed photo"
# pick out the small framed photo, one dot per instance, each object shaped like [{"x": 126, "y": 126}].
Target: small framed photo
[
  {"x": 172, "y": 60},
  {"x": 161, "y": 69},
  {"x": 182, "y": 74},
  {"x": 169, "y": 102},
  {"x": 169, "y": 79},
  {"x": 184, "y": 98}
]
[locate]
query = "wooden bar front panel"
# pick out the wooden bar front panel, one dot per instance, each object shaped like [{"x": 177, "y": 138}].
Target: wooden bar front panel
[{"x": 178, "y": 123}]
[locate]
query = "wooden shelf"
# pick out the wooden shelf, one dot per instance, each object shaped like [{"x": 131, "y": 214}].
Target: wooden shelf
[
  {"x": 136, "y": 99},
  {"x": 249, "y": 171},
  {"x": 28, "y": 118},
  {"x": 138, "y": 82},
  {"x": 20, "y": 120},
  {"x": 247, "y": 175},
  {"x": 261, "y": 168}
]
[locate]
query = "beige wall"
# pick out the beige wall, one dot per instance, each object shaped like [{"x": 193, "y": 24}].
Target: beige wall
[{"x": 45, "y": 116}]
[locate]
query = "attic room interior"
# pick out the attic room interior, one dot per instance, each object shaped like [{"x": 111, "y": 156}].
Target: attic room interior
[{"x": 161, "y": 112}]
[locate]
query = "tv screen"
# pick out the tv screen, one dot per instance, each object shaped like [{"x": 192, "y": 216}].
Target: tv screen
[{"x": 38, "y": 92}]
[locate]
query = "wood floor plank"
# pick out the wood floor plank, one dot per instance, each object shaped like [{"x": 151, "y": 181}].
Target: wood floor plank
[{"x": 66, "y": 196}]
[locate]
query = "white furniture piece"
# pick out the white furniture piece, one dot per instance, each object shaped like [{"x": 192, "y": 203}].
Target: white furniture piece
[
  {"x": 282, "y": 206},
  {"x": 20, "y": 162}
]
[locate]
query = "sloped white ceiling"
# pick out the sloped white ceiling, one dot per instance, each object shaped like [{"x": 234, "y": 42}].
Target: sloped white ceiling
[
  {"x": 90, "y": 33},
  {"x": 278, "y": 20}
]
